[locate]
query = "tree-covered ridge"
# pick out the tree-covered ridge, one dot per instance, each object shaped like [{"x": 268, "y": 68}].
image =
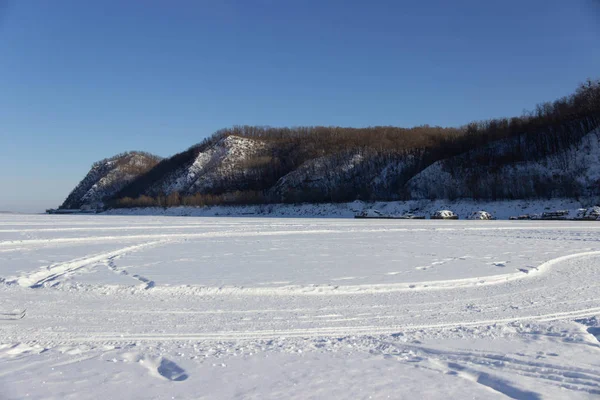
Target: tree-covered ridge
[{"x": 256, "y": 164}]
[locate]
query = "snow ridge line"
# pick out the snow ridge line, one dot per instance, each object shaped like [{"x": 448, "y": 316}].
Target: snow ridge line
[{"x": 47, "y": 274}]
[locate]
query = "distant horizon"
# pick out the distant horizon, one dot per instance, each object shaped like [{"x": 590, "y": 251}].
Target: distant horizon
[{"x": 20, "y": 212}]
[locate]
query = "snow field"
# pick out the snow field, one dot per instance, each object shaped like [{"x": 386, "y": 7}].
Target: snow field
[{"x": 300, "y": 308}]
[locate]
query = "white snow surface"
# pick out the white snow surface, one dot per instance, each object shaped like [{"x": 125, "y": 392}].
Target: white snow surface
[
  {"x": 154, "y": 307},
  {"x": 464, "y": 208}
]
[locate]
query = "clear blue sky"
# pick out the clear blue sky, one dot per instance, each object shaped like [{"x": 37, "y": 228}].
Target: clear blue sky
[{"x": 83, "y": 80}]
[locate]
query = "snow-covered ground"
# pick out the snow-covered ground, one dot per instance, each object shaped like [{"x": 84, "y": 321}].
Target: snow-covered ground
[
  {"x": 502, "y": 209},
  {"x": 169, "y": 307}
]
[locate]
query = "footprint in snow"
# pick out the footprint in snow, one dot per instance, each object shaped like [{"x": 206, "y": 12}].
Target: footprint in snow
[
  {"x": 171, "y": 371},
  {"x": 158, "y": 366}
]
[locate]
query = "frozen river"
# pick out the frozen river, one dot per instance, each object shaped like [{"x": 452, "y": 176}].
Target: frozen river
[{"x": 161, "y": 307}]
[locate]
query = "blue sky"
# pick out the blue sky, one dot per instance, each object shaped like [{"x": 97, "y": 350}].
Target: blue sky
[{"x": 83, "y": 80}]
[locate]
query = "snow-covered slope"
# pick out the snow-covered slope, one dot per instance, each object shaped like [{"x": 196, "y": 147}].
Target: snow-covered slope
[
  {"x": 338, "y": 176},
  {"x": 323, "y": 177},
  {"x": 573, "y": 172},
  {"x": 107, "y": 177},
  {"x": 210, "y": 167}
]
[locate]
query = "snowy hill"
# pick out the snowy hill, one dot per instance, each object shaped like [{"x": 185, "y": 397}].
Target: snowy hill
[
  {"x": 552, "y": 152},
  {"x": 108, "y": 177},
  {"x": 224, "y": 160},
  {"x": 340, "y": 176},
  {"x": 227, "y": 166},
  {"x": 505, "y": 169},
  {"x": 574, "y": 171},
  {"x": 234, "y": 164},
  {"x": 321, "y": 178}
]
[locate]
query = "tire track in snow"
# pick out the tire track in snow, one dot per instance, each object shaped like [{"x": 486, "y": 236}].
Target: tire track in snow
[
  {"x": 321, "y": 290},
  {"x": 52, "y": 272},
  {"x": 584, "y": 308},
  {"x": 108, "y": 228},
  {"x": 237, "y": 233},
  {"x": 337, "y": 331},
  {"x": 476, "y": 365},
  {"x": 400, "y": 322},
  {"x": 204, "y": 226},
  {"x": 203, "y": 235}
]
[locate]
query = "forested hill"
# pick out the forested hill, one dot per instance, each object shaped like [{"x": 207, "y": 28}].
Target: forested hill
[
  {"x": 107, "y": 177},
  {"x": 553, "y": 151}
]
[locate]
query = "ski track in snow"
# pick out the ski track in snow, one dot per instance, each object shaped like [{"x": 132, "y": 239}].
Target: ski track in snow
[{"x": 447, "y": 327}]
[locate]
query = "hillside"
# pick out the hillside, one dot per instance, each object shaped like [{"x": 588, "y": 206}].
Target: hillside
[
  {"x": 210, "y": 168},
  {"x": 572, "y": 172},
  {"x": 550, "y": 152},
  {"x": 107, "y": 177}
]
